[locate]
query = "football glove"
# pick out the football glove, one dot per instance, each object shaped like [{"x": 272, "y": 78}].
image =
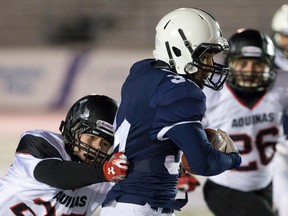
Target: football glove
[
  {"x": 116, "y": 168},
  {"x": 230, "y": 146},
  {"x": 187, "y": 183}
]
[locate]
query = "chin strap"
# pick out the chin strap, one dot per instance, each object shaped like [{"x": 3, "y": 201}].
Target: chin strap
[
  {"x": 189, "y": 68},
  {"x": 171, "y": 61}
]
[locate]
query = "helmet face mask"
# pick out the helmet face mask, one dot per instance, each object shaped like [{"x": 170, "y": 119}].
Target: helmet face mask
[
  {"x": 256, "y": 78},
  {"x": 92, "y": 115},
  {"x": 215, "y": 74},
  {"x": 92, "y": 154},
  {"x": 250, "y": 60},
  {"x": 179, "y": 45}
]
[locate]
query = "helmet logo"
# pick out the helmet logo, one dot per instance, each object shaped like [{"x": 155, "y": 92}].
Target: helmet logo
[
  {"x": 251, "y": 51},
  {"x": 105, "y": 125}
]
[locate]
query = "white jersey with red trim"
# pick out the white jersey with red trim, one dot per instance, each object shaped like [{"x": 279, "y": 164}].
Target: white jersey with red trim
[
  {"x": 22, "y": 195},
  {"x": 255, "y": 132}
]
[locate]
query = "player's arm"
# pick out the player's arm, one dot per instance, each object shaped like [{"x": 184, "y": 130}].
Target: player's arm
[
  {"x": 71, "y": 175},
  {"x": 179, "y": 116},
  {"x": 68, "y": 174},
  {"x": 51, "y": 169},
  {"x": 202, "y": 157}
]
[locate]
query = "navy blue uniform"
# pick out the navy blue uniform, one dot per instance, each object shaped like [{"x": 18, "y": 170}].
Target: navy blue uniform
[{"x": 160, "y": 114}]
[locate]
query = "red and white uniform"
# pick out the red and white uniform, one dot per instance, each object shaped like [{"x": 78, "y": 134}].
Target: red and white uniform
[
  {"x": 254, "y": 130},
  {"x": 22, "y": 195}
]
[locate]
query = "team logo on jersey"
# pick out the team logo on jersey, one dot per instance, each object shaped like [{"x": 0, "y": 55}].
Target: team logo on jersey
[{"x": 254, "y": 119}]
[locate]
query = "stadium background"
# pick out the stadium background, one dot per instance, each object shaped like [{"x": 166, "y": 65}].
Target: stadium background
[{"x": 54, "y": 52}]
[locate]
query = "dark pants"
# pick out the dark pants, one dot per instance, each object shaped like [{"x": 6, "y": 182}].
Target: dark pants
[{"x": 223, "y": 201}]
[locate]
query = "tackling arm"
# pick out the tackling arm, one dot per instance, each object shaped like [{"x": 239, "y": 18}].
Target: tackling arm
[{"x": 70, "y": 175}]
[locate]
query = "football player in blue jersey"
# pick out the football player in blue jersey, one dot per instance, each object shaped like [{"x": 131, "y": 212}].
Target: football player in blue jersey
[{"x": 159, "y": 117}]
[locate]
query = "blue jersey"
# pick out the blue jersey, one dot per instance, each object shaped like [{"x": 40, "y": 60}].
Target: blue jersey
[{"x": 159, "y": 115}]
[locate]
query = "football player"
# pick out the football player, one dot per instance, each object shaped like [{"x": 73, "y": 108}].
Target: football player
[
  {"x": 249, "y": 108},
  {"x": 162, "y": 105},
  {"x": 279, "y": 26},
  {"x": 67, "y": 173}
]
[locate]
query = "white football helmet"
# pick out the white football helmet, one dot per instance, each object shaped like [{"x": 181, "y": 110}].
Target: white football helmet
[
  {"x": 280, "y": 20},
  {"x": 186, "y": 35},
  {"x": 279, "y": 26}
]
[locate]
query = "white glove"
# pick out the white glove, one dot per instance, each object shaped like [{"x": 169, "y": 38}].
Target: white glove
[{"x": 230, "y": 147}]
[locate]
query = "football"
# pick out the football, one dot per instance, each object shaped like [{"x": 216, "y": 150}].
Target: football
[
  {"x": 216, "y": 140},
  {"x": 185, "y": 164}
]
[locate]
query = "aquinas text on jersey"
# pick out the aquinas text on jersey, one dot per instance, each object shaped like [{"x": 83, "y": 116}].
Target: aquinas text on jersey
[
  {"x": 254, "y": 119},
  {"x": 70, "y": 201}
]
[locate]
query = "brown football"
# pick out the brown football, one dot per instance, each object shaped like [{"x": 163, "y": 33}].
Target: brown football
[
  {"x": 216, "y": 139},
  {"x": 185, "y": 164}
]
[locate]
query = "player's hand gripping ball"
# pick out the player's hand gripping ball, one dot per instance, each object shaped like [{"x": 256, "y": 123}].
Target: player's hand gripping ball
[{"x": 215, "y": 138}]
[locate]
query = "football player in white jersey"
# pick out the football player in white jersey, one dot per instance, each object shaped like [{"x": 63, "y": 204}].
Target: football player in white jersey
[
  {"x": 279, "y": 27},
  {"x": 69, "y": 173},
  {"x": 249, "y": 108}
]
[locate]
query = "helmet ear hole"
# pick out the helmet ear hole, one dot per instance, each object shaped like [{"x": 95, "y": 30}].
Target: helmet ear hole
[{"x": 176, "y": 51}]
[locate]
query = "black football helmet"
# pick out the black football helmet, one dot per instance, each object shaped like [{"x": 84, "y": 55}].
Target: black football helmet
[
  {"x": 92, "y": 114},
  {"x": 250, "y": 44}
]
